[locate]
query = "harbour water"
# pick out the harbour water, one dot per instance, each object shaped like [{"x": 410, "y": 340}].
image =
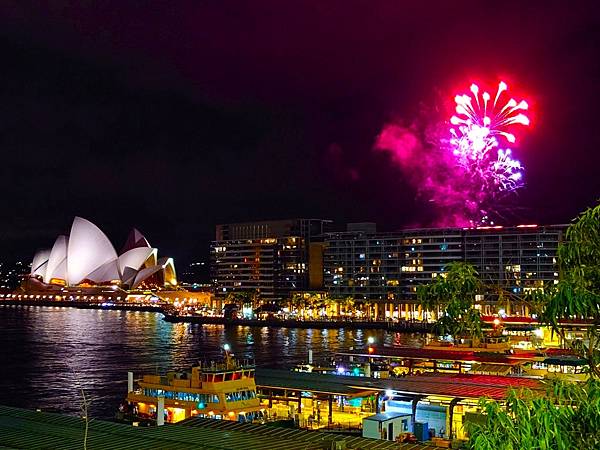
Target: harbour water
[{"x": 49, "y": 354}]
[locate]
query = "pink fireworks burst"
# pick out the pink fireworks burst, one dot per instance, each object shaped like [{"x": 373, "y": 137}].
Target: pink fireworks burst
[
  {"x": 475, "y": 143},
  {"x": 466, "y": 174}
]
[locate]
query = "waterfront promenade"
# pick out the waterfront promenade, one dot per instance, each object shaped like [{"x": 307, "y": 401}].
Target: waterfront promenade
[
  {"x": 407, "y": 326},
  {"x": 164, "y": 308}
]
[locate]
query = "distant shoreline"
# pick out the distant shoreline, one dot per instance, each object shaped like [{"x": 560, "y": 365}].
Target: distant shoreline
[
  {"x": 81, "y": 305},
  {"x": 292, "y": 323},
  {"x": 410, "y": 327}
]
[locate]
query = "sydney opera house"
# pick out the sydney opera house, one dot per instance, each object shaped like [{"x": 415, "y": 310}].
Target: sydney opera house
[{"x": 86, "y": 259}]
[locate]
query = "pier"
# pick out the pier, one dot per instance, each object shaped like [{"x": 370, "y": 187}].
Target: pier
[{"x": 443, "y": 401}]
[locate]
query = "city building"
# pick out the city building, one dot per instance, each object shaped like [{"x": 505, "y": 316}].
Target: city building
[
  {"x": 384, "y": 269},
  {"x": 11, "y": 275},
  {"x": 271, "y": 258},
  {"x": 195, "y": 274}
]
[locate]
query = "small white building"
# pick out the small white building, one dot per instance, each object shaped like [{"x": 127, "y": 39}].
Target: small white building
[{"x": 387, "y": 425}]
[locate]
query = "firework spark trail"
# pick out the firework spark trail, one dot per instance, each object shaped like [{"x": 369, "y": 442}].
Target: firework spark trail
[{"x": 480, "y": 124}]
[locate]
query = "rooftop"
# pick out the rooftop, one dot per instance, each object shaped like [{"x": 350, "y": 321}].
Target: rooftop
[
  {"x": 427, "y": 354},
  {"x": 313, "y": 382},
  {"x": 302, "y": 438},
  {"x": 447, "y": 385},
  {"x": 382, "y": 417},
  {"x": 21, "y": 428}
]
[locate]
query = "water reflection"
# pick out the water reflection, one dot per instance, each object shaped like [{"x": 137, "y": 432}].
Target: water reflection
[{"x": 49, "y": 354}]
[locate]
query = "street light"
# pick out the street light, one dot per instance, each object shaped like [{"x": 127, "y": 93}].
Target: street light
[
  {"x": 371, "y": 341},
  {"x": 228, "y": 359}
]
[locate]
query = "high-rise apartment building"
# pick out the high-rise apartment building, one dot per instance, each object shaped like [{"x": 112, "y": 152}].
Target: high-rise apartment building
[
  {"x": 268, "y": 257},
  {"x": 388, "y": 267}
]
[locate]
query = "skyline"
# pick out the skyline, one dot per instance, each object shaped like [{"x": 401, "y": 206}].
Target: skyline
[{"x": 181, "y": 120}]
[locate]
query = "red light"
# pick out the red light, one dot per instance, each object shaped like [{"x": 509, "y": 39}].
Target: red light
[{"x": 371, "y": 349}]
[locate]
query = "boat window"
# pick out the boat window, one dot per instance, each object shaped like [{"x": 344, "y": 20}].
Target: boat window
[
  {"x": 218, "y": 378},
  {"x": 228, "y": 376},
  {"x": 184, "y": 396},
  {"x": 239, "y": 396}
]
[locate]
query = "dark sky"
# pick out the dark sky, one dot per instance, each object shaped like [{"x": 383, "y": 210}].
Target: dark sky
[{"x": 175, "y": 116}]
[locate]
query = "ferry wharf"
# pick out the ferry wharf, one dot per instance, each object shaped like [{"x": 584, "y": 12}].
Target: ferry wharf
[{"x": 443, "y": 401}]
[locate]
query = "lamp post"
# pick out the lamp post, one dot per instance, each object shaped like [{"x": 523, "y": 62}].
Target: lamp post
[
  {"x": 371, "y": 349},
  {"x": 227, "y": 349},
  {"x": 371, "y": 341}
]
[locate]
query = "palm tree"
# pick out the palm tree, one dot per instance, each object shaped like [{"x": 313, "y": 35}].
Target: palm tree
[
  {"x": 454, "y": 291},
  {"x": 348, "y": 304},
  {"x": 298, "y": 302},
  {"x": 341, "y": 303}
]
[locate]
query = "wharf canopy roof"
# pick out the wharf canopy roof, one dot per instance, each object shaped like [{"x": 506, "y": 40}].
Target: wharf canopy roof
[
  {"x": 454, "y": 385},
  {"x": 87, "y": 256}
]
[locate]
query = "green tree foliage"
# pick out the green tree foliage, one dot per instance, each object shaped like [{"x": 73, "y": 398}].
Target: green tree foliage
[
  {"x": 454, "y": 292},
  {"x": 577, "y": 294},
  {"x": 302, "y": 302},
  {"x": 251, "y": 297},
  {"x": 567, "y": 417}
]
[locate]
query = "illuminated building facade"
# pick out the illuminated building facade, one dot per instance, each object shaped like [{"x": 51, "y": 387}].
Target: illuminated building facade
[
  {"x": 386, "y": 268},
  {"x": 271, "y": 258},
  {"x": 519, "y": 259},
  {"x": 86, "y": 258},
  {"x": 11, "y": 275}
]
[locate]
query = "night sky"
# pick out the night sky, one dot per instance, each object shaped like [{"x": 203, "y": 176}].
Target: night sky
[{"x": 174, "y": 116}]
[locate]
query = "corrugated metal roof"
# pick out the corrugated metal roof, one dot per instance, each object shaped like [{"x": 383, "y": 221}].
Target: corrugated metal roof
[
  {"x": 428, "y": 354},
  {"x": 296, "y": 435},
  {"x": 311, "y": 382},
  {"x": 463, "y": 386},
  {"x": 495, "y": 369},
  {"x": 23, "y": 429}
]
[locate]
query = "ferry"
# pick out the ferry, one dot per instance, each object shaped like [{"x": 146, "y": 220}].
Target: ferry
[
  {"x": 563, "y": 367},
  {"x": 218, "y": 390},
  {"x": 486, "y": 344},
  {"x": 402, "y": 361}
]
